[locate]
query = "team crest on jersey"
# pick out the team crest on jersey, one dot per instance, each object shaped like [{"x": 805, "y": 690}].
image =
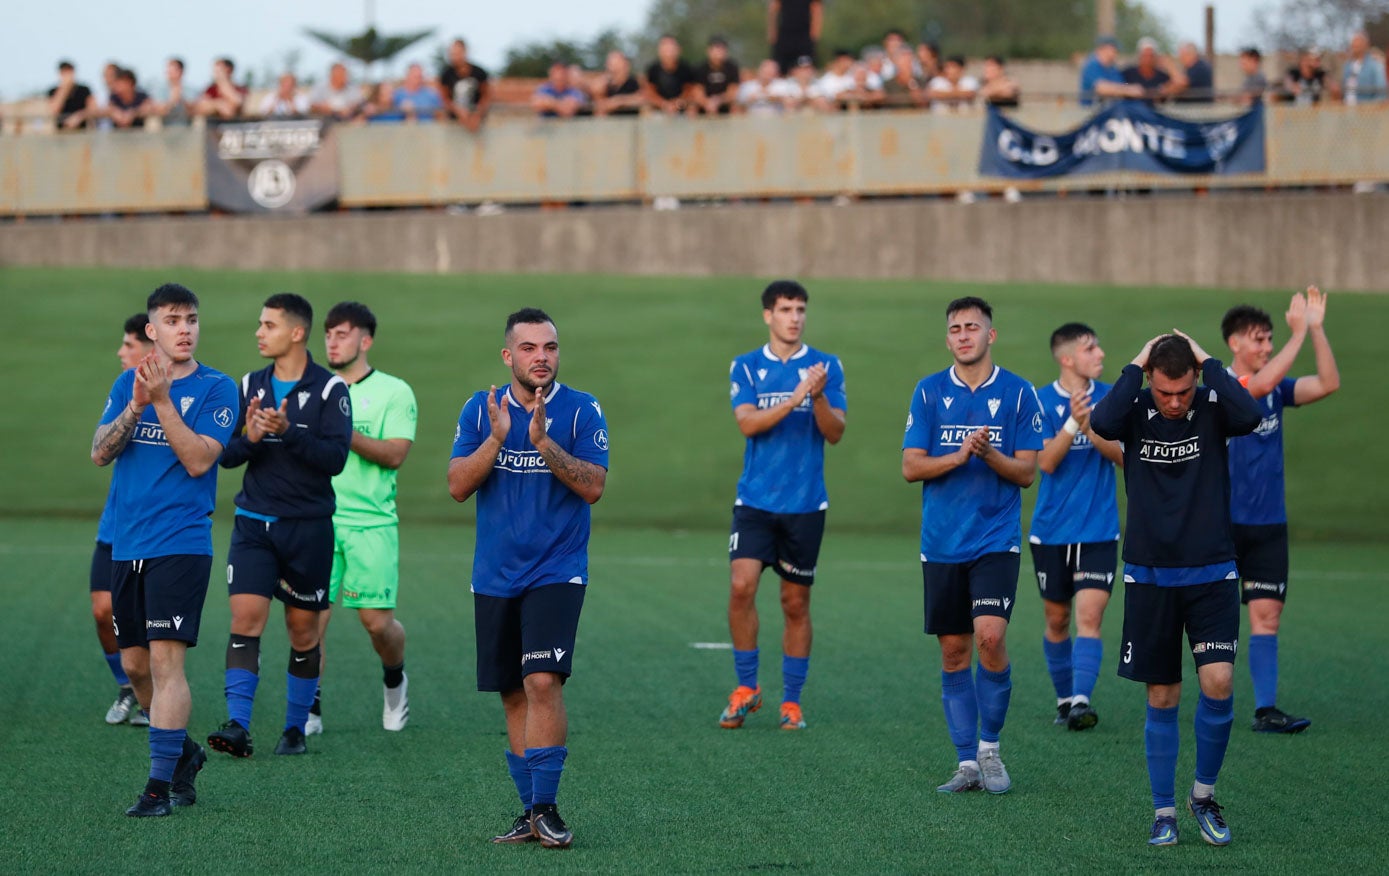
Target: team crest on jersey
[
  {"x": 343, "y": 405},
  {"x": 948, "y": 401},
  {"x": 185, "y": 403},
  {"x": 993, "y": 406},
  {"x": 1037, "y": 422},
  {"x": 761, "y": 373},
  {"x": 1060, "y": 410},
  {"x": 223, "y": 417},
  {"x": 303, "y": 399},
  {"x": 600, "y": 438}
]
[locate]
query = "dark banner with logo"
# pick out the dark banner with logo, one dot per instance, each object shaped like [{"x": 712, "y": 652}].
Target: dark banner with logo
[
  {"x": 1126, "y": 136},
  {"x": 272, "y": 167}
]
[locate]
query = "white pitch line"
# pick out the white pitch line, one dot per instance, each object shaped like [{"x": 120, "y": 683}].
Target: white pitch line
[{"x": 712, "y": 646}]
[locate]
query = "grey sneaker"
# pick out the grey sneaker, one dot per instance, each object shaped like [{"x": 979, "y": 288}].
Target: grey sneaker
[
  {"x": 996, "y": 779},
  {"x": 125, "y": 704},
  {"x": 966, "y": 778}
]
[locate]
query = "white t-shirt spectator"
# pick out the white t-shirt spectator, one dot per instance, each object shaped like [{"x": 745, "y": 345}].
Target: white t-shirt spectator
[
  {"x": 760, "y": 100},
  {"x": 273, "y": 106},
  {"x": 940, "y": 84},
  {"x": 831, "y": 84},
  {"x": 341, "y": 102}
]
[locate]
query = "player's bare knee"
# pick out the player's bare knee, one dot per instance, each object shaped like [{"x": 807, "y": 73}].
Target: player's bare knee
[
  {"x": 742, "y": 591},
  {"x": 542, "y": 685}
]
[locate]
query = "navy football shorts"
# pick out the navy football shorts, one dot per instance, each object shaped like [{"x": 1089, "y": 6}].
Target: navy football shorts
[
  {"x": 290, "y": 560},
  {"x": 790, "y": 543},
  {"x": 1062, "y": 569},
  {"x": 957, "y": 593},
  {"x": 1261, "y": 553},
  {"x": 520, "y": 635},
  {"x": 1155, "y": 618},
  {"x": 159, "y": 598}
]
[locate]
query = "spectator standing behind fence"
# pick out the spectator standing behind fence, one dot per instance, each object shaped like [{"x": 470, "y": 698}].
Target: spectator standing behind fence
[
  {"x": 128, "y": 105},
  {"x": 1251, "y": 91},
  {"x": 380, "y": 108},
  {"x": 1305, "y": 82},
  {"x": 793, "y": 30},
  {"x": 952, "y": 89},
  {"x": 1362, "y": 77},
  {"x": 1157, "y": 76},
  {"x": 716, "y": 80},
  {"x": 841, "y": 82},
  {"x": 285, "y": 102},
  {"x": 802, "y": 90},
  {"x": 618, "y": 93},
  {"x": 170, "y": 102},
  {"x": 337, "y": 98},
  {"x": 556, "y": 98},
  {"x": 223, "y": 98},
  {"x": 1200, "y": 81},
  {"x": 1100, "y": 76},
  {"x": 997, "y": 88},
  {"x": 903, "y": 88},
  {"x": 578, "y": 80},
  {"x": 70, "y": 102},
  {"x": 865, "y": 89},
  {"x": 418, "y": 99},
  {"x": 894, "y": 42},
  {"x": 465, "y": 87},
  {"x": 928, "y": 65},
  {"x": 761, "y": 95},
  {"x": 669, "y": 80}
]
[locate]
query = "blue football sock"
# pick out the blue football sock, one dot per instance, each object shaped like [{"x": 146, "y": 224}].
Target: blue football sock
[
  {"x": 1263, "y": 670},
  {"x": 299, "y": 694},
  {"x": 1214, "y": 718},
  {"x": 745, "y": 662},
  {"x": 117, "y": 670},
  {"x": 1161, "y": 741},
  {"x": 546, "y": 766},
  {"x": 521, "y": 775},
  {"x": 961, "y": 712},
  {"x": 793, "y": 672},
  {"x": 165, "y": 748},
  {"x": 1088, "y": 654},
  {"x": 992, "y": 690},
  {"x": 241, "y": 695},
  {"x": 1058, "y": 656}
]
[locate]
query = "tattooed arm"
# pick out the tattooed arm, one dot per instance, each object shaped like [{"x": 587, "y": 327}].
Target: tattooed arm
[
  {"x": 110, "y": 439},
  {"x": 585, "y": 478}
]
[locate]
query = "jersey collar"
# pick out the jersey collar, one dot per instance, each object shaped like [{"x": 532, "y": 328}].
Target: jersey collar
[
  {"x": 1061, "y": 390},
  {"x": 549, "y": 396},
  {"x": 767, "y": 351},
  {"x": 955, "y": 379}
]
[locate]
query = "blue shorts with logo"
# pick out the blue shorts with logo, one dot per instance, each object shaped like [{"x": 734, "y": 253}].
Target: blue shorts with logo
[
  {"x": 290, "y": 559},
  {"x": 521, "y": 635},
  {"x": 1155, "y": 617},
  {"x": 790, "y": 543},
  {"x": 1262, "y": 556},
  {"x": 957, "y": 593},
  {"x": 1064, "y": 569},
  {"x": 159, "y": 598}
]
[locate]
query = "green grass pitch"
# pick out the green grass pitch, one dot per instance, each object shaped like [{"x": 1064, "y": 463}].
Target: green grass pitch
[{"x": 653, "y": 785}]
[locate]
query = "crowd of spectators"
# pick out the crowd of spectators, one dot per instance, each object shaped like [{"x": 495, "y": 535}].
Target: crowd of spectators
[{"x": 892, "y": 74}]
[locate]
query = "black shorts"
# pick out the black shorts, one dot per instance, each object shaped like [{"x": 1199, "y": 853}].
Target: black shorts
[
  {"x": 100, "y": 576},
  {"x": 1262, "y": 557},
  {"x": 159, "y": 598},
  {"x": 789, "y": 542},
  {"x": 788, "y": 50},
  {"x": 519, "y": 635},
  {"x": 290, "y": 559},
  {"x": 1062, "y": 569},
  {"x": 1155, "y": 617},
  {"x": 957, "y": 593}
]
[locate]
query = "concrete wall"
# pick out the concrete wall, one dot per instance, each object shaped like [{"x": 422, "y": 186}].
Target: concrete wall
[{"x": 1230, "y": 240}]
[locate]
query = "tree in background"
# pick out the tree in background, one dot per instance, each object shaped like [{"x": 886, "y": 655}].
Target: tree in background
[
  {"x": 1296, "y": 24},
  {"x": 534, "y": 59}
]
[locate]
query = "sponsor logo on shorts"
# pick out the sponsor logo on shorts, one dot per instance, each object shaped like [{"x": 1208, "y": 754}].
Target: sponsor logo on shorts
[
  {"x": 559, "y": 653},
  {"x": 158, "y": 625},
  {"x": 1004, "y": 603},
  {"x": 178, "y": 621},
  {"x": 1169, "y": 452},
  {"x": 1263, "y": 587},
  {"x": 316, "y": 596},
  {"x": 536, "y": 655},
  {"x": 1203, "y": 647},
  {"x": 1106, "y": 577},
  {"x": 789, "y": 569}
]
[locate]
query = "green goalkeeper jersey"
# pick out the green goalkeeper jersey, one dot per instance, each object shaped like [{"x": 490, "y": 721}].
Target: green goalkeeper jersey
[{"x": 382, "y": 407}]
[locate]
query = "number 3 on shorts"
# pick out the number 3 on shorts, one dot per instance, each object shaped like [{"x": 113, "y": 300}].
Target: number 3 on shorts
[{"x": 1128, "y": 652}]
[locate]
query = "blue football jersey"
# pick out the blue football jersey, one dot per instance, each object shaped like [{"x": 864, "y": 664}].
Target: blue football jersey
[
  {"x": 158, "y": 509},
  {"x": 971, "y": 511},
  {"x": 105, "y": 528},
  {"x": 1256, "y": 463},
  {"x": 784, "y": 467},
  {"x": 532, "y": 530},
  {"x": 1076, "y": 504}
]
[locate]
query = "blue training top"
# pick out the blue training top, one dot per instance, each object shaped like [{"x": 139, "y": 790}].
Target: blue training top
[
  {"x": 157, "y": 508},
  {"x": 532, "y": 530},
  {"x": 1256, "y": 463},
  {"x": 1076, "y": 504},
  {"x": 784, "y": 467},
  {"x": 971, "y": 511}
]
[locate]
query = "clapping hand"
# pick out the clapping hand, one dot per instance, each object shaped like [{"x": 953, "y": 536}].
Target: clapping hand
[
  {"x": 273, "y": 421},
  {"x": 538, "y": 435},
  {"x": 1316, "y": 307},
  {"x": 499, "y": 420}
]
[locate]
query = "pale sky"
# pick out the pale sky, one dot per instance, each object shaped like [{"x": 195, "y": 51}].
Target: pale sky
[{"x": 258, "y": 34}]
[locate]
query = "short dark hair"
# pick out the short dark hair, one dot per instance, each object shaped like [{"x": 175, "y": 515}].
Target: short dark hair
[
  {"x": 997, "y": 59},
  {"x": 354, "y": 313},
  {"x": 296, "y": 306},
  {"x": 65, "y": 65},
  {"x": 177, "y": 62},
  {"x": 1251, "y": 52},
  {"x": 1071, "y": 331},
  {"x": 170, "y": 295},
  {"x": 1243, "y": 317},
  {"x": 788, "y": 289},
  {"x": 717, "y": 40},
  {"x": 1171, "y": 355},
  {"x": 668, "y": 36},
  {"x": 135, "y": 325},
  {"x": 897, "y": 32},
  {"x": 526, "y": 316},
  {"x": 956, "y": 59},
  {"x": 459, "y": 41},
  {"x": 127, "y": 74},
  {"x": 231, "y": 65},
  {"x": 969, "y": 302},
  {"x": 843, "y": 52}
]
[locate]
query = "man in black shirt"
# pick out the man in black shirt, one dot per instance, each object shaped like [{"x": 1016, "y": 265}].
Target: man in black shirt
[
  {"x": 1179, "y": 558},
  {"x": 716, "y": 80},
  {"x": 793, "y": 30},
  {"x": 619, "y": 92},
  {"x": 1157, "y": 75},
  {"x": 669, "y": 80},
  {"x": 464, "y": 87},
  {"x": 128, "y": 105},
  {"x": 70, "y": 102}
]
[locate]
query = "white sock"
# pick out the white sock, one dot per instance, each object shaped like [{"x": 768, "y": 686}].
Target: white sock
[
  {"x": 969, "y": 764},
  {"x": 1201, "y": 791},
  {"x": 1169, "y": 811},
  {"x": 986, "y": 747},
  {"x": 1079, "y": 699}
]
